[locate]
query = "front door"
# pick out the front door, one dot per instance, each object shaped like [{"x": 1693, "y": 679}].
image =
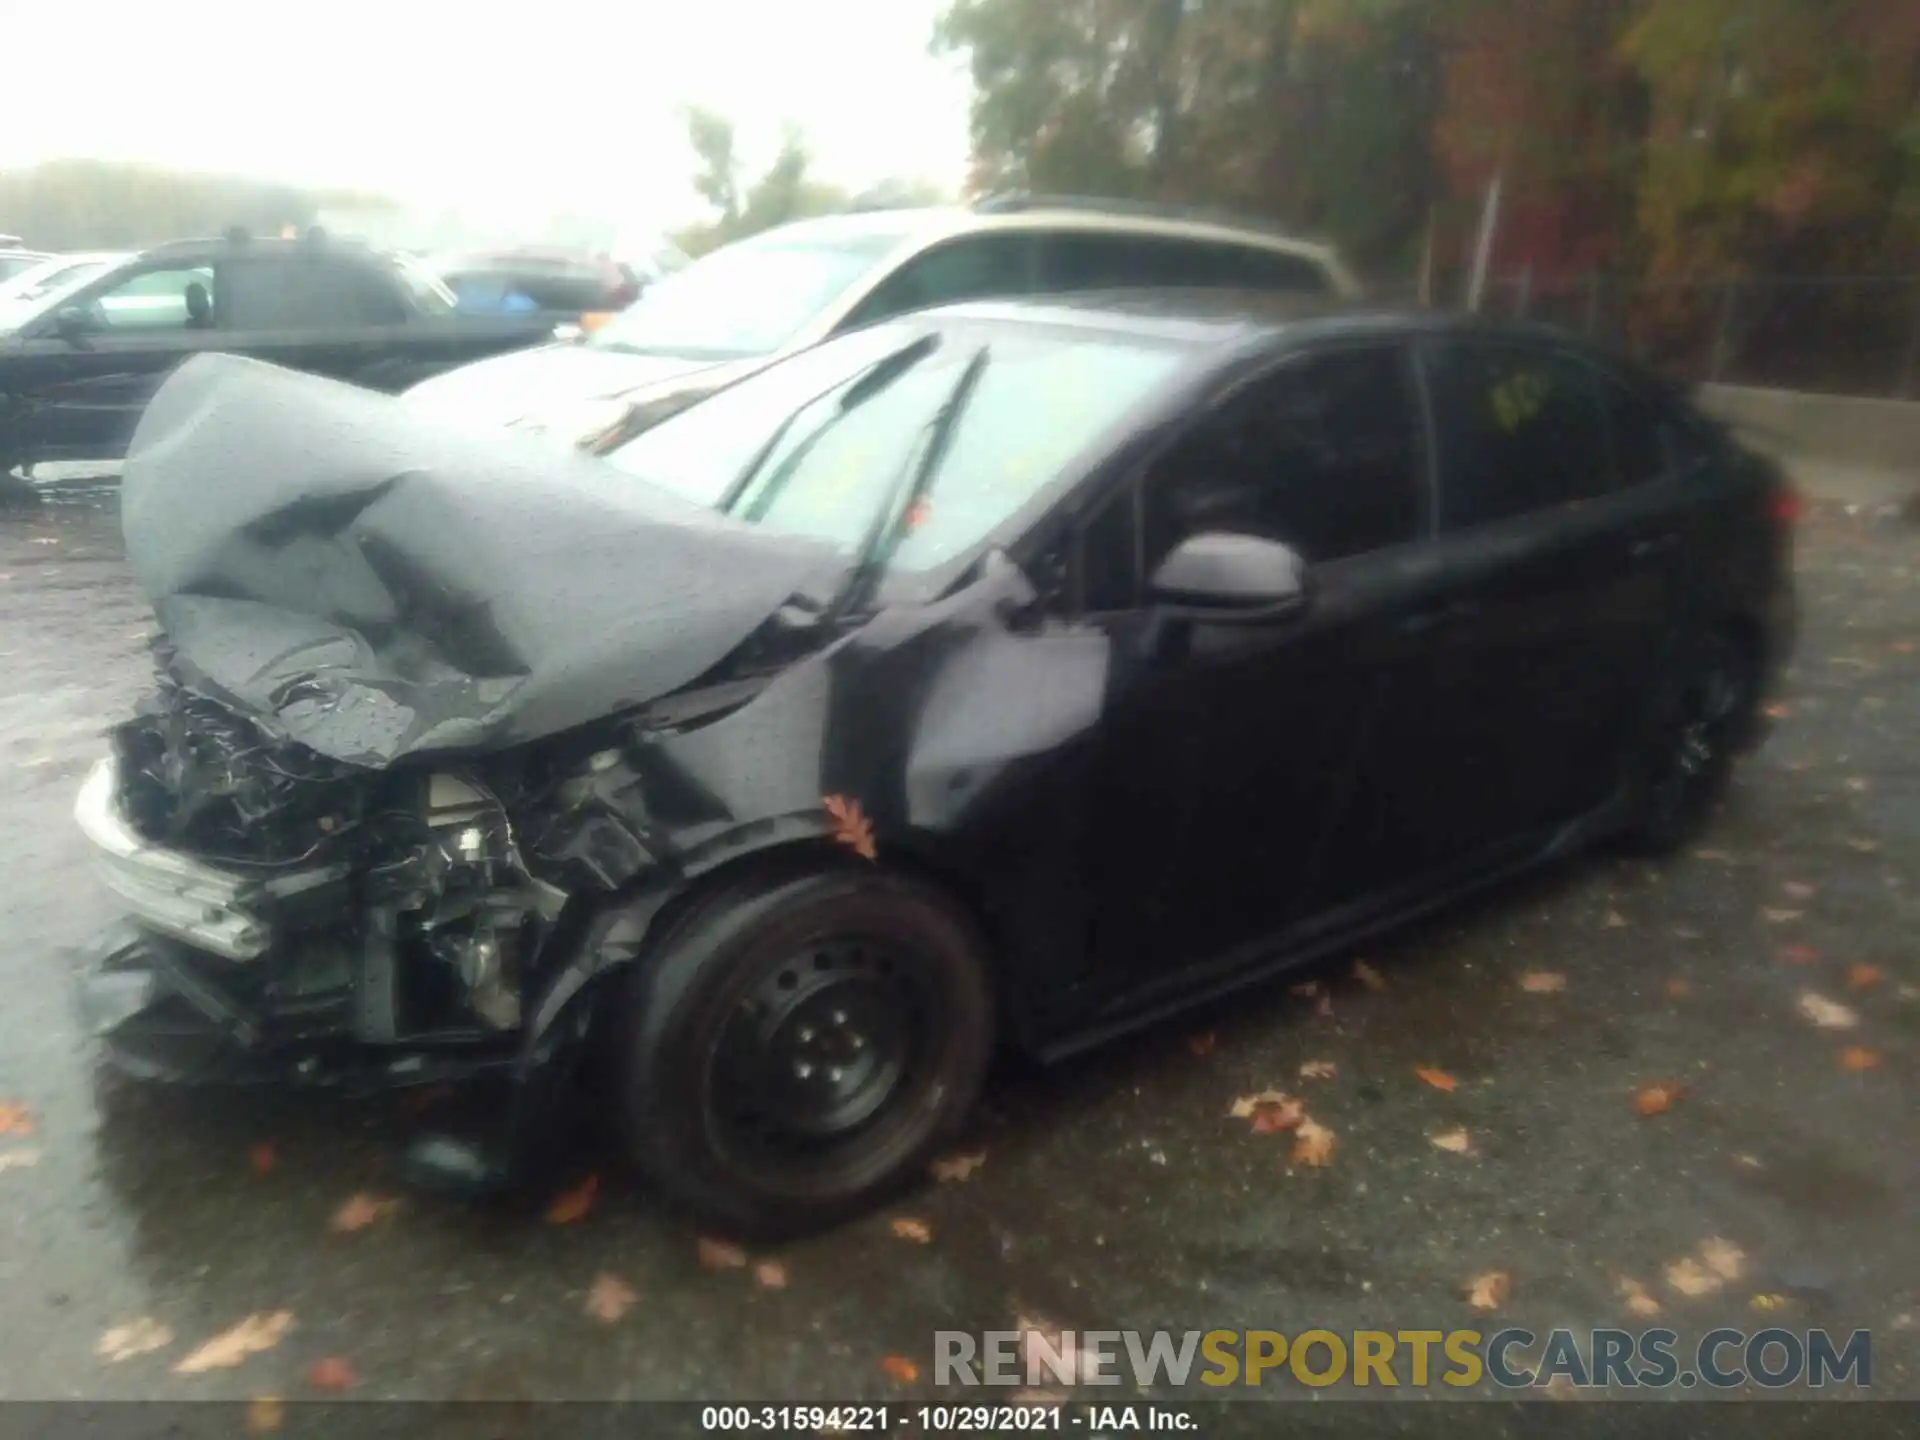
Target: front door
[{"x": 1230, "y": 748}]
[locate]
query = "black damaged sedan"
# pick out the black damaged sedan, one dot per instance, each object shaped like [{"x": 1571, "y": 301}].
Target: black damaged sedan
[{"x": 1009, "y": 673}]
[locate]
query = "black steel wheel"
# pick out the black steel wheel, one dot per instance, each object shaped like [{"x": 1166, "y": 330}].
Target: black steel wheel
[
  {"x": 1692, "y": 753},
  {"x": 796, "y": 1049}
]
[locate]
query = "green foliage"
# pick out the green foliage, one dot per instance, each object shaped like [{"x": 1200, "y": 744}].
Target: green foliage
[
  {"x": 104, "y": 205},
  {"x": 784, "y": 192}
]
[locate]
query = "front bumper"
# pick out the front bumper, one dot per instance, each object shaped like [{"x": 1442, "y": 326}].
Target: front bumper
[{"x": 206, "y": 906}]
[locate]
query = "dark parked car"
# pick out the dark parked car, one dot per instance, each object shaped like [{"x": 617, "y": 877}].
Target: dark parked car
[
  {"x": 76, "y": 370},
  {"x": 1010, "y": 673}
]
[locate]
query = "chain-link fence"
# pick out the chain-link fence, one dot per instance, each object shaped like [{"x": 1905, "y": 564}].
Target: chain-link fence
[{"x": 1845, "y": 335}]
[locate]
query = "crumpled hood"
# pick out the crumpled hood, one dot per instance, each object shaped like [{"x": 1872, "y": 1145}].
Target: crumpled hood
[
  {"x": 545, "y": 381},
  {"x": 375, "y": 584}
]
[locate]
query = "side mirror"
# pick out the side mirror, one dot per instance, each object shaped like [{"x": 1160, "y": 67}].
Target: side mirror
[
  {"x": 1221, "y": 576},
  {"x": 71, "y": 322}
]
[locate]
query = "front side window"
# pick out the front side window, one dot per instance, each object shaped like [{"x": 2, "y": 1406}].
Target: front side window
[
  {"x": 1324, "y": 455},
  {"x": 749, "y": 298},
  {"x": 1520, "y": 430},
  {"x": 183, "y": 298},
  {"x": 977, "y": 267}
]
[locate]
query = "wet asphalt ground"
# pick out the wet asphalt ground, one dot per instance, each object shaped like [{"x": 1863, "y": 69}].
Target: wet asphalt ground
[{"x": 1115, "y": 1192}]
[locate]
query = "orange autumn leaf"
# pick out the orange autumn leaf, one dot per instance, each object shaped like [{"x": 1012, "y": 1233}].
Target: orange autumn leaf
[
  {"x": 1857, "y": 1058},
  {"x": 957, "y": 1167},
  {"x": 720, "y": 1254},
  {"x": 1679, "y": 988},
  {"x": 771, "y": 1274},
  {"x": 1271, "y": 1111},
  {"x": 900, "y": 1368},
  {"x": 1203, "y": 1044},
  {"x": 1800, "y": 955},
  {"x": 265, "y": 1414},
  {"x": 1312, "y": 1144},
  {"x": 849, "y": 824},
  {"x": 15, "y": 1119},
  {"x": 1485, "y": 1292},
  {"x": 1368, "y": 976},
  {"x": 907, "y": 1228},
  {"x": 1543, "y": 982},
  {"x": 1318, "y": 1069},
  {"x": 1438, "y": 1079},
  {"x": 609, "y": 1297},
  {"x": 572, "y": 1205},
  {"x": 360, "y": 1211},
  {"x": 1657, "y": 1097},
  {"x": 1863, "y": 977},
  {"x": 262, "y": 1158},
  {"x": 331, "y": 1373}
]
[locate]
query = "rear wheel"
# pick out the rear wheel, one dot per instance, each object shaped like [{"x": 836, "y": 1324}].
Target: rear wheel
[
  {"x": 797, "y": 1049},
  {"x": 1692, "y": 753}
]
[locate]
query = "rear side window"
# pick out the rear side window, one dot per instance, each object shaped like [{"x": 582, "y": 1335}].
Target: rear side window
[
  {"x": 295, "y": 293},
  {"x": 1519, "y": 430}
]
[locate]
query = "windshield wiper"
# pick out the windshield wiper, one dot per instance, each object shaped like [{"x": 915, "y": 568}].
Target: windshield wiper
[
  {"x": 883, "y": 534},
  {"x": 877, "y": 377}
]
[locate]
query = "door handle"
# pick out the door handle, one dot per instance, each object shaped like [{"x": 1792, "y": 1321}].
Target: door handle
[
  {"x": 1441, "y": 617},
  {"x": 1652, "y": 547}
]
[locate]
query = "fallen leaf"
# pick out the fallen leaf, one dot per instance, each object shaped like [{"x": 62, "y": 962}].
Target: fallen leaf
[
  {"x": 1457, "y": 1141},
  {"x": 571, "y": 1205},
  {"x": 1690, "y": 1277},
  {"x": 609, "y": 1297},
  {"x": 1863, "y": 977},
  {"x": 1864, "y": 847},
  {"x": 1827, "y": 1014},
  {"x": 330, "y": 1372},
  {"x": 1685, "y": 932},
  {"x": 1438, "y": 1079},
  {"x": 1270, "y": 1111},
  {"x": 720, "y": 1254},
  {"x": 19, "y": 1160},
  {"x": 1543, "y": 982},
  {"x": 1312, "y": 1144},
  {"x": 1368, "y": 976},
  {"x": 1779, "y": 917},
  {"x": 1858, "y": 1057},
  {"x": 1800, "y": 955},
  {"x": 262, "y": 1158},
  {"x": 1766, "y": 1302},
  {"x": 1719, "y": 856},
  {"x": 1679, "y": 988},
  {"x": 1724, "y": 1258},
  {"x": 1203, "y": 1043},
  {"x": 1485, "y": 1292},
  {"x": 1797, "y": 890},
  {"x": 1614, "y": 921},
  {"x": 258, "y": 1332},
  {"x": 958, "y": 1167},
  {"x": 907, "y": 1228},
  {"x": 1778, "y": 711},
  {"x": 1655, "y": 1098},
  {"x": 771, "y": 1274},
  {"x": 360, "y": 1211},
  {"x": 1318, "y": 1070},
  {"x": 136, "y": 1337},
  {"x": 15, "y": 1119},
  {"x": 265, "y": 1414},
  {"x": 1901, "y": 647},
  {"x": 900, "y": 1368},
  {"x": 1857, "y": 785},
  {"x": 1637, "y": 1298},
  {"x": 849, "y": 824}
]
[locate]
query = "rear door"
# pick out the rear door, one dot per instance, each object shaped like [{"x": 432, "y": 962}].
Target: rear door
[
  {"x": 1533, "y": 637},
  {"x": 80, "y": 396}
]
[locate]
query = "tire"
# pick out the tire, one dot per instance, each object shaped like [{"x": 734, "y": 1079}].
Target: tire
[
  {"x": 1691, "y": 756},
  {"x": 796, "y": 1049}
]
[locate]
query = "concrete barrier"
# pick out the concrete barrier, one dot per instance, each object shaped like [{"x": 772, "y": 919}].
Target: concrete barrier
[{"x": 1834, "y": 446}]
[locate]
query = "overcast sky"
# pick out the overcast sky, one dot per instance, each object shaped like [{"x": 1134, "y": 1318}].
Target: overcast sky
[{"x": 560, "y": 103}]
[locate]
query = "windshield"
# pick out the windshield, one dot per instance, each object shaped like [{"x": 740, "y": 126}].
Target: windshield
[
  {"x": 827, "y": 443},
  {"x": 747, "y": 299},
  {"x": 35, "y": 293}
]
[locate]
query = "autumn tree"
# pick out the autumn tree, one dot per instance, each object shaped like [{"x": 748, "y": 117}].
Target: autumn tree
[{"x": 785, "y": 191}]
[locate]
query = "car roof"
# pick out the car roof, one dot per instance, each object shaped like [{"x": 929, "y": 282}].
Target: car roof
[{"x": 939, "y": 222}]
